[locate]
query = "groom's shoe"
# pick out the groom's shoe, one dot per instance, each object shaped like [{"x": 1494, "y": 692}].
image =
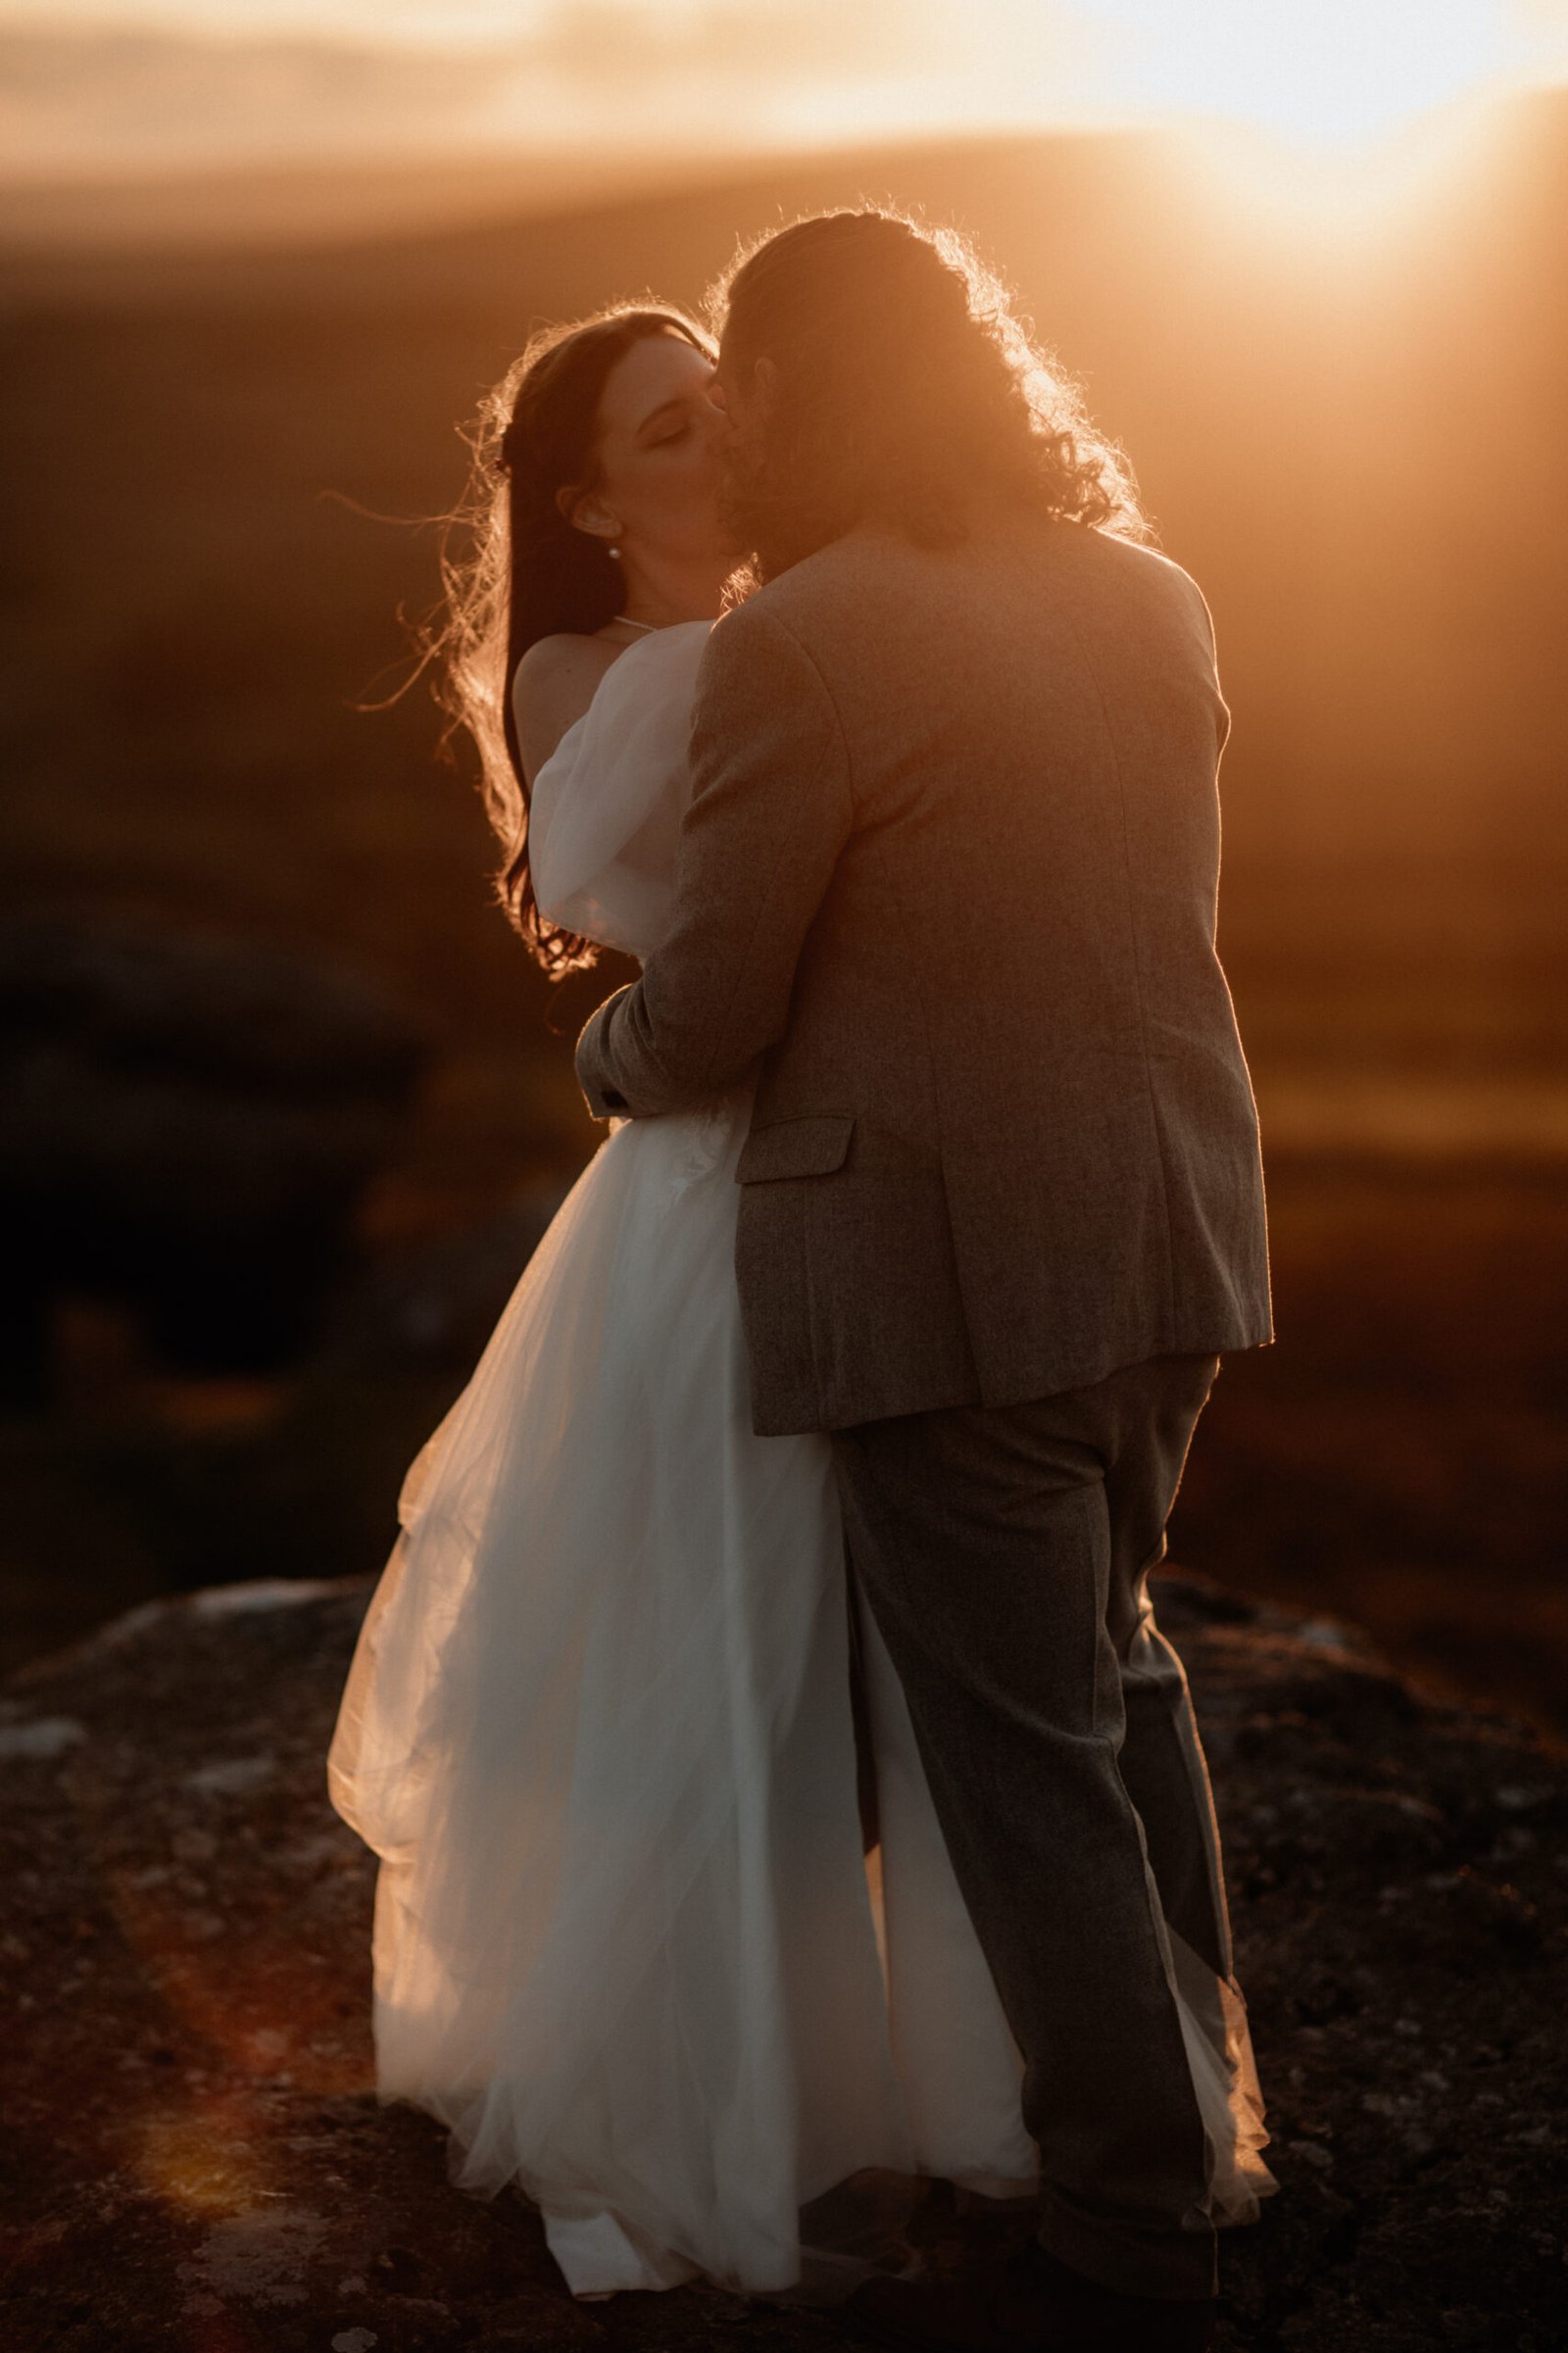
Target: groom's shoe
[{"x": 1030, "y": 2304}]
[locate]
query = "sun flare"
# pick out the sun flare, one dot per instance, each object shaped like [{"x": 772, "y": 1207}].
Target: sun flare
[
  {"x": 1332, "y": 75},
  {"x": 1338, "y": 197}
]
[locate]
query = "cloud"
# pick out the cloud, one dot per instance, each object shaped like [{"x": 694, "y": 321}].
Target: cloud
[
  {"x": 123, "y": 101},
  {"x": 393, "y": 77},
  {"x": 103, "y": 101}
]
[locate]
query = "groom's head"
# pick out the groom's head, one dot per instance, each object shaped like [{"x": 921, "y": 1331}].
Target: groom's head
[{"x": 875, "y": 375}]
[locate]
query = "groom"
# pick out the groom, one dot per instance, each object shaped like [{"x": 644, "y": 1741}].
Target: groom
[{"x": 947, "y": 887}]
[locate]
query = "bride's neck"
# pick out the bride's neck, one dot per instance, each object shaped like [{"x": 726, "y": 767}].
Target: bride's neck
[{"x": 663, "y": 592}]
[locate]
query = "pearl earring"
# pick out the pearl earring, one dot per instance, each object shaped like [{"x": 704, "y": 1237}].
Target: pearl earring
[{"x": 616, "y": 555}]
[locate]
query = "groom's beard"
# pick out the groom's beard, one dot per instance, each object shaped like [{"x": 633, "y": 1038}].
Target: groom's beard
[
  {"x": 763, "y": 511},
  {"x": 740, "y": 483}
]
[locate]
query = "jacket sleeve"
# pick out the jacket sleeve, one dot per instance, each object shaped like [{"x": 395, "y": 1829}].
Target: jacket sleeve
[{"x": 770, "y": 813}]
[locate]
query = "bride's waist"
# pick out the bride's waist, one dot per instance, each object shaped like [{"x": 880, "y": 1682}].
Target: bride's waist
[{"x": 699, "y": 1135}]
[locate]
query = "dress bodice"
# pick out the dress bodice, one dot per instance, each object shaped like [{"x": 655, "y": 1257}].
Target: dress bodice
[{"x": 606, "y": 805}]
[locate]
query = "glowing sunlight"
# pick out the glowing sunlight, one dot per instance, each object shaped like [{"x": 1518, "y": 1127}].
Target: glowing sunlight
[
  {"x": 1339, "y": 198},
  {"x": 124, "y": 84},
  {"x": 1328, "y": 74}
]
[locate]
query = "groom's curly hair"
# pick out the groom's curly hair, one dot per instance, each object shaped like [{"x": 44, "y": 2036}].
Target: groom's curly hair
[{"x": 905, "y": 391}]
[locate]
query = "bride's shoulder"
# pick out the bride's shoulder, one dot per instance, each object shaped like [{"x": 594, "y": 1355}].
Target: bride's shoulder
[{"x": 553, "y": 686}]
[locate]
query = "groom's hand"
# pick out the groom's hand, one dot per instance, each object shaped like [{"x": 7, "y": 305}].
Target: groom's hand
[
  {"x": 770, "y": 812},
  {"x": 603, "y": 1101}
]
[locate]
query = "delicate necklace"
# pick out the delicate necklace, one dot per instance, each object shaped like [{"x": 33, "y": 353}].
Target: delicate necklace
[{"x": 631, "y": 624}]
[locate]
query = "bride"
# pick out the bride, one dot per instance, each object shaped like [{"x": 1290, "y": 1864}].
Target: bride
[{"x": 628, "y": 1945}]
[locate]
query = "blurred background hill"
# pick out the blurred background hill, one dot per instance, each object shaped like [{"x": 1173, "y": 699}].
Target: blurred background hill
[{"x": 288, "y": 1103}]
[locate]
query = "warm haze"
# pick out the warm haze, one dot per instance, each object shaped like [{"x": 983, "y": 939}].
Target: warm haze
[
  {"x": 117, "y": 87},
  {"x": 284, "y": 1107}
]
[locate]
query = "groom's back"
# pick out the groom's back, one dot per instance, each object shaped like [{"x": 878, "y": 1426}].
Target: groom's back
[{"x": 1008, "y": 1021}]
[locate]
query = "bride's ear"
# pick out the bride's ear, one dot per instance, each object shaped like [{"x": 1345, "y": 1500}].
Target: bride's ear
[{"x": 585, "y": 512}]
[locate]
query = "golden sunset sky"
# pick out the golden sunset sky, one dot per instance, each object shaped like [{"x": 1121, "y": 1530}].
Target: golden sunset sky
[{"x": 120, "y": 87}]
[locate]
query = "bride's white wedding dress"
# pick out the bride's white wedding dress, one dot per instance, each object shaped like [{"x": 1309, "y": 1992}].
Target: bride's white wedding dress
[{"x": 598, "y": 1724}]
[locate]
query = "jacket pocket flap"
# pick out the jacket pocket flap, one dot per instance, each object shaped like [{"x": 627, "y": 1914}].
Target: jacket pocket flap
[{"x": 795, "y": 1148}]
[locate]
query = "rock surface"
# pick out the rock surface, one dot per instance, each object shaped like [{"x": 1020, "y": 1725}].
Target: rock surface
[{"x": 197, "y": 2158}]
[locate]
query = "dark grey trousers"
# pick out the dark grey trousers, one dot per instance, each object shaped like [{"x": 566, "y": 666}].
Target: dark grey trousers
[{"x": 1003, "y": 1552}]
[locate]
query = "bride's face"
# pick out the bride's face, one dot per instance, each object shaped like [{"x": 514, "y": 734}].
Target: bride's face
[{"x": 656, "y": 489}]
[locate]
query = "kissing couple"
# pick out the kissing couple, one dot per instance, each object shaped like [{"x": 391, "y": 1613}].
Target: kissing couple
[{"x": 778, "y": 1776}]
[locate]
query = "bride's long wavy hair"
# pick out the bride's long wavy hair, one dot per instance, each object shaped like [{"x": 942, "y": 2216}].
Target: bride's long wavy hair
[
  {"x": 906, "y": 391},
  {"x": 514, "y": 570}
]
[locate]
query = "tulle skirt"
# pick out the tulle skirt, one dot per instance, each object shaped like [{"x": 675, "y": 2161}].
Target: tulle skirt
[{"x": 598, "y": 1728}]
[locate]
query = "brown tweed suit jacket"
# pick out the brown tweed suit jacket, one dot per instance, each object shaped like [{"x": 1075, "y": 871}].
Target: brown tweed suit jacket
[{"x": 947, "y": 887}]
